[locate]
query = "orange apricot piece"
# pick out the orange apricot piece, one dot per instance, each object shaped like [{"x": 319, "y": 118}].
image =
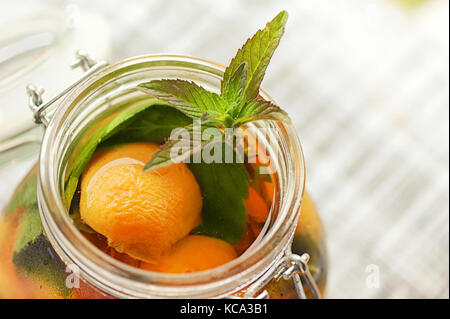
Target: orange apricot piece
[
  {"x": 140, "y": 213},
  {"x": 247, "y": 239},
  {"x": 256, "y": 206},
  {"x": 194, "y": 253}
]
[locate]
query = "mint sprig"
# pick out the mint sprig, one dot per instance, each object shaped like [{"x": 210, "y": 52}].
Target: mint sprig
[{"x": 238, "y": 102}]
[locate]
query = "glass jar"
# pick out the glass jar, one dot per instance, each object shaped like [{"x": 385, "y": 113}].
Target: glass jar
[{"x": 43, "y": 254}]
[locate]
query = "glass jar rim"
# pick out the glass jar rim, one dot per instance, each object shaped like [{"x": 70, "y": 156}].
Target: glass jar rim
[{"x": 122, "y": 280}]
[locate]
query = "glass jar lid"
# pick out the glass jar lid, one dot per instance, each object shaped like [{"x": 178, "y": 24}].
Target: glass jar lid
[{"x": 37, "y": 43}]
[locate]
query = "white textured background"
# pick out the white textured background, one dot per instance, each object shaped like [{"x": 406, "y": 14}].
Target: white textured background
[{"x": 367, "y": 85}]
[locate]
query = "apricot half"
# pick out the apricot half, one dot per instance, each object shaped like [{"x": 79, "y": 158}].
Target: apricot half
[
  {"x": 194, "y": 253},
  {"x": 140, "y": 213}
]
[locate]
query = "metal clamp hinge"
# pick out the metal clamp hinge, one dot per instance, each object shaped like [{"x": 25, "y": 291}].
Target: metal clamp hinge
[
  {"x": 291, "y": 266},
  {"x": 35, "y": 102}
]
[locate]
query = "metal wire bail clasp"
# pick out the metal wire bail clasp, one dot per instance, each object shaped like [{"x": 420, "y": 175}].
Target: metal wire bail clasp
[
  {"x": 41, "y": 110},
  {"x": 291, "y": 266}
]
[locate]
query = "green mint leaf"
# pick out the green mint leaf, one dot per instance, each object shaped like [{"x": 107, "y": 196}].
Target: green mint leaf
[
  {"x": 257, "y": 53},
  {"x": 163, "y": 157},
  {"x": 187, "y": 97},
  {"x": 151, "y": 125},
  {"x": 167, "y": 155},
  {"x": 25, "y": 196},
  {"x": 261, "y": 110},
  {"x": 32, "y": 252},
  {"x": 30, "y": 227},
  {"x": 224, "y": 188},
  {"x": 40, "y": 259},
  {"x": 233, "y": 91}
]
